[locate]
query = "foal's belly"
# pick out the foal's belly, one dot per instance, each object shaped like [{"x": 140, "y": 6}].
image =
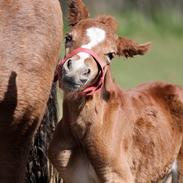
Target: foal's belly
[{"x": 80, "y": 170}]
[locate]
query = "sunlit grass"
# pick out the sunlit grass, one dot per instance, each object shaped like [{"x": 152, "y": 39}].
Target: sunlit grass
[{"x": 163, "y": 62}]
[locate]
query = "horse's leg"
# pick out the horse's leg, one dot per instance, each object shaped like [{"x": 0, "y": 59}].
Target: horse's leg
[
  {"x": 15, "y": 142},
  {"x": 172, "y": 177},
  {"x": 168, "y": 178},
  {"x": 174, "y": 173},
  {"x": 109, "y": 167},
  {"x": 60, "y": 149},
  {"x": 13, "y": 160},
  {"x": 180, "y": 165},
  {"x": 109, "y": 173}
]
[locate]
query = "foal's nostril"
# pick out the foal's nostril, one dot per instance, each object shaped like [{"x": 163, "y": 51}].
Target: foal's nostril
[
  {"x": 69, "y": 64},
  {"x": 86, "y": 72},
  {"x": 83, "y": 81}
]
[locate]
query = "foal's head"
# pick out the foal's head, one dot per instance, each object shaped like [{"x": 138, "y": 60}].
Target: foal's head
[{"x": 99, "y": 35}]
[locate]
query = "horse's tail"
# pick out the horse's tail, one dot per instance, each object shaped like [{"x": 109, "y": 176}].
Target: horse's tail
[{"x": 39, "y": 168}]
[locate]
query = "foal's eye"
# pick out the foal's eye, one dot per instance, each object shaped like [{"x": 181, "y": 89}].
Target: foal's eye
[
  {"x": 110, "y": 56},
  {"x": 68, "y": 41}
]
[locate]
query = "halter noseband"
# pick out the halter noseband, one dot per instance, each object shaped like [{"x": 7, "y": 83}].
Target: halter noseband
[{"x": 98, "y": 83}]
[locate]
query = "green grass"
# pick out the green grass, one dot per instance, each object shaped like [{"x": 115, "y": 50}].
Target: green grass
[
  {"x": 163, "y": 62},
  {"x": 162, "y": 24}
]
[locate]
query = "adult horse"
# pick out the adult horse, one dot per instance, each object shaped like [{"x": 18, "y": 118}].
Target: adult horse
[{"x": 30, "y": 37}]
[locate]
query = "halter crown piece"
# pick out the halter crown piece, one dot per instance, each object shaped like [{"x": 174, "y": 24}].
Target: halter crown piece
[{"x": 98, "y": 83}]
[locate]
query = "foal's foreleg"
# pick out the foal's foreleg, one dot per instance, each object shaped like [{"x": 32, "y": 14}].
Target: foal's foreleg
[
  {"x": 109, "y": 166},
  {"x": 61, "y": 146}
]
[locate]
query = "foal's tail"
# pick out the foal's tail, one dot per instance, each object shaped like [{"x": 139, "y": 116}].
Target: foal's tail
[{"x": 38, "y": 168}]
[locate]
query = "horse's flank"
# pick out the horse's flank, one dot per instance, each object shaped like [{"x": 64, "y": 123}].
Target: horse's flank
[{"x": 30, "y": 36}]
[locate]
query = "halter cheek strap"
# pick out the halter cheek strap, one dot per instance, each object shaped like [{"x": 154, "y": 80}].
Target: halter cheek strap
[{"x": 98, "y": 83}]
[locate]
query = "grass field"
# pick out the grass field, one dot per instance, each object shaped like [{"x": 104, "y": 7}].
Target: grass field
[{"x": 163, "y": 62}]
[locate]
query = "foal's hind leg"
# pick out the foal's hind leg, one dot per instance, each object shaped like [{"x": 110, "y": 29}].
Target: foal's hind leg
[
  {"x": 172, "y": 177},
  {"x": 180, "y": 165}
]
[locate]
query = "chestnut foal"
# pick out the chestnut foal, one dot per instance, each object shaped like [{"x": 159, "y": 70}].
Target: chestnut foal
[
  {"x": 30, "y": 37},
  {"x": 107, "y": 134}
]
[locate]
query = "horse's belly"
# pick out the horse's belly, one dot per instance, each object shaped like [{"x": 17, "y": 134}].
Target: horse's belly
[{"x": 80, "y": 170}]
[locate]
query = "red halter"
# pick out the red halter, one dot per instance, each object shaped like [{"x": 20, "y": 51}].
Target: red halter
[{"x": 90, "y": 89}]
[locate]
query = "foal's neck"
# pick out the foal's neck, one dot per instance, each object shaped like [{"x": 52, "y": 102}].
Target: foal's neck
[
  {"x": 77, "y": 104},
  {"x": 83, "y": 112}
]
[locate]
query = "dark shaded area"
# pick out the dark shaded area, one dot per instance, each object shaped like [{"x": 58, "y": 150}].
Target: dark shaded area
[
  {"x": 9, "y": 103},
  {"x": 15, "y": 138},
  {"x": 39, "y": 170}
]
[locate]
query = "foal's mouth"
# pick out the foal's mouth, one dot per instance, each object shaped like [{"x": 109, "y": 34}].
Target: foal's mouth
[{"x": 70, "y": 85}]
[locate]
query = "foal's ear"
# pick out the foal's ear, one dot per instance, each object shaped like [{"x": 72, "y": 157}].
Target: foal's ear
[
  {"x": 77, "y": 11},
  {"x": 129, "y": 48}
]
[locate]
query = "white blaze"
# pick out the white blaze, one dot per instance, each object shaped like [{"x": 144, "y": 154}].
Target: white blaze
[{"x": 96, "y": 36}]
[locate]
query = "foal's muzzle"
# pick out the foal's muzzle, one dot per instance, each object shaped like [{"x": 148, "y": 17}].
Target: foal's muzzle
[{"x": 69, "y": 81}]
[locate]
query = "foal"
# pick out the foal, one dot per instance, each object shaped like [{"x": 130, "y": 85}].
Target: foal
[{"x": 109, "y": 135}]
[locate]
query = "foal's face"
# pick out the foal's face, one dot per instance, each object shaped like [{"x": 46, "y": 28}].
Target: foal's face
[
  {"x": 100, "y": 36},
  {"x": 81, "y": 70}
]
